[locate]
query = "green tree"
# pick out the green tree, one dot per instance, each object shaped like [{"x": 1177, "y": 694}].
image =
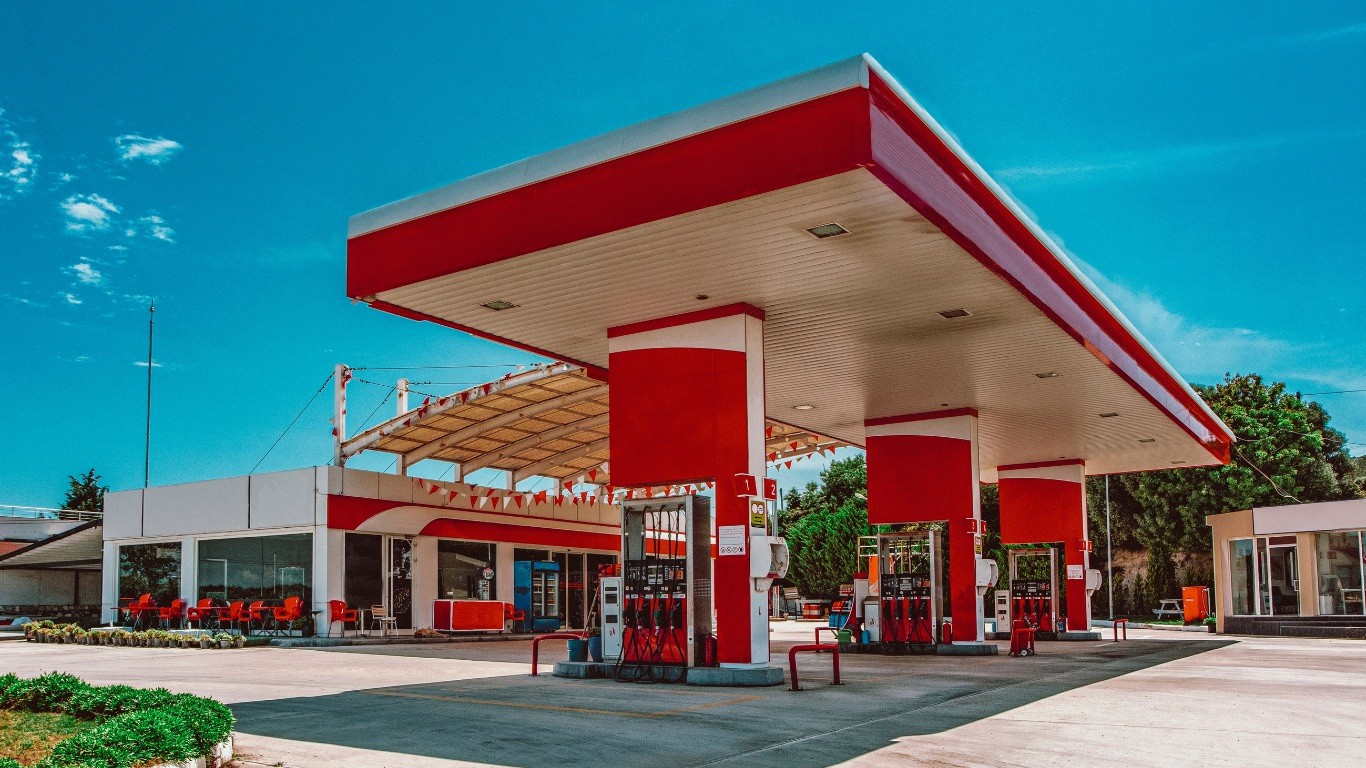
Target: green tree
[
  {"x": 823, "y": 523},
  {"x": 1286, "y": 453},
  {"x": 85, "y": 492}
]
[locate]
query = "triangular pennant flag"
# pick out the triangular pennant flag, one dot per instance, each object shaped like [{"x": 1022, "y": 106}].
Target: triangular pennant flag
[
  {"x": 592, "y": 501},
  {"x": 540, "y": 497},
  {"x": 518, "y": 499},
  {"x": 559, "y": 501},
  {"x": 787, "y": 464},
  {"x": 506, "y": 502},
  {"x": 592, "y": 474},
  {"x": 768, "y": 432}
]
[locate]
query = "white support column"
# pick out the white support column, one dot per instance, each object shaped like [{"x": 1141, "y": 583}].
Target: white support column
[
  {"x": 189, "y": 570},
  {"x": 340, "y": 376},
  {"x": 321, "y": 592},
  {"x": 402, "y": 390},
  {"x": 502, "y": 571},
  {"x": 425, "y": 567},
  {"x": 109, "y": 585}
]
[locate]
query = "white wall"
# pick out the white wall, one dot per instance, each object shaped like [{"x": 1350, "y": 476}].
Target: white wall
[{"x": 43, "y": 587}]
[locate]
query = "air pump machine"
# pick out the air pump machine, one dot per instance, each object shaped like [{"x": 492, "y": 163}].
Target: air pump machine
[{"x": 904, "y": 610}]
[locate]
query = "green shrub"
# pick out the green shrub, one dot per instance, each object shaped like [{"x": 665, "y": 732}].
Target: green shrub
[
  {"x": 9, "y": 762},
  {"x": 139, "y": 725}
]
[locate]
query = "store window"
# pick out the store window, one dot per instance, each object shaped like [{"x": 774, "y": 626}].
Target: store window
[
  {"x": 1242, "y": 570},
  {"x": 465, "y": 571},
  {"x": 1340, "y": 573},
  {"x": 150, "y": 569},
  {"x": 269, "y": 568}
]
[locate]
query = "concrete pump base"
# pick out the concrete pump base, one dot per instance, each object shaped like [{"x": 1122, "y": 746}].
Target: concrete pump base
[
  {"x": 757, "y": 677},
  {"x": 968, "y": 649}
]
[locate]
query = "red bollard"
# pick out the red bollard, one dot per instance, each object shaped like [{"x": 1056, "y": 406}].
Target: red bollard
[
  {"x": 817, "y": 648},
  {"x": 833, "y": 630},
  {"x": 536, "y": 644},
  {"x": 1117, "y": 624}
]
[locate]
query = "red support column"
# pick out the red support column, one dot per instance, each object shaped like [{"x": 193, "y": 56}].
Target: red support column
[
  {"x": 688, "y": 406},
  {"x": 923, "y": 468},
  {"x": 1046, "y": 503}
]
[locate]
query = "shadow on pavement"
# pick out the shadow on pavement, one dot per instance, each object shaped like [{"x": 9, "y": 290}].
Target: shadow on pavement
[{"x": 547, "y": 721}]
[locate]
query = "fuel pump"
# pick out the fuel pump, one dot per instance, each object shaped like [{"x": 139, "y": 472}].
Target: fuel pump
[
  {"x": 1034, "y": 589},
  {"x": 906, "y": 614},
  {"x": 665, "y": 588}
]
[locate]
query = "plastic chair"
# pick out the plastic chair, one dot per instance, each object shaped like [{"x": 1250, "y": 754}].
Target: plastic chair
[
  {"x": 258, "y": 612},
  {"x": 140, "y": 609},
  {"x": 379, "y": 616},
  {"x": 234, "y": 615},
  {"x": 202, "y": 612},
  {"x": 173, "y": 612},
  {"x": 338, "y": 612},
  {"x": 287, "y": 614}
]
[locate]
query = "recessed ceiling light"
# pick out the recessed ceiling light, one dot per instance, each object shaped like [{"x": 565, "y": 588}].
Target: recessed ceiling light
[
  {"x": 702, "y": 297},
  {"x": 1178, "y": 462},
  {"x": 498, "y": 305},
  {"x": 1108, "y": 415},
  {"x": 950, "y": 314},
  {"x": 827, "y": 230},
  {"x": 1047, "y": 375},
  {"x": 1147, "y": 439},
  {"x": 803, "y": 407}
]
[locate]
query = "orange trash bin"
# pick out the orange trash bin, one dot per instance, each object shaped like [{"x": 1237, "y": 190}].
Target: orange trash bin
[{"x": 1195, "y": 604}]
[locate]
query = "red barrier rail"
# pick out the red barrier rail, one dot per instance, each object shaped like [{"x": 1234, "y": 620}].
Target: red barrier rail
[
  {"x": 946, "y": 632},
  {"x": 1117, "y": 624},
  {"x": 536, "y": 644},
  {"x": 816, "y": 648},
  {"x": 833, "y": 630}
]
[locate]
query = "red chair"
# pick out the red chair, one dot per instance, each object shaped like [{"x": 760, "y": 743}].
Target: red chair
[
  {"x": 337, "y": 611},
  {"x": 258, "y": 612},
  {"x": 513, "y": 615},
  {"x": 173, "y": 612},
  {"x": 202, "y": 612},
  {"x": 287, "y": 614},
  {"x": 234, "y": 615},
  {"x": 139, "y": 610}
]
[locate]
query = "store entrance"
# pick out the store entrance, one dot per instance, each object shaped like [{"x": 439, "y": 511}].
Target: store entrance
[{"x": 1279, "y": 561}]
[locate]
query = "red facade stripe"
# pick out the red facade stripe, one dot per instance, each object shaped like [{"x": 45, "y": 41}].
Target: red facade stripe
[
  {"x": 686, "y": 318},
  {"x": 920, "y": 417},
  {"x": 1040, "y": 464},
  {"x": 783, "y": 148}
]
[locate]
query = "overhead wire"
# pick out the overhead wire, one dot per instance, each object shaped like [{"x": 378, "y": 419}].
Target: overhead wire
[{"x": 295, "y": 420}]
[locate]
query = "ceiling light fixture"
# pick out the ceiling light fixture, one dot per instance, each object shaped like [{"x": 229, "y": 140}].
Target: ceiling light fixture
[
  {"x": 1046, "y": 375},
  {"x": 803, "y": 407},
  {"x": 950, "y": 314},
  {"x": 1147, "y": 439},
  {"x": 498, "y": 305},
  {"x": 1178, "y": 462},
  {"x": 827, "y": 230}
]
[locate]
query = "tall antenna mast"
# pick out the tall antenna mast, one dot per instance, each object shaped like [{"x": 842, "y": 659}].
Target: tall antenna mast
[{"x": 147, "y": 435}]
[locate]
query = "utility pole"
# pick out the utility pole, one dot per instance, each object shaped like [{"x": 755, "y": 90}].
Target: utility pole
[
  {"x": 1109, "y": 560},
  {"x": 147, "y": 435}
]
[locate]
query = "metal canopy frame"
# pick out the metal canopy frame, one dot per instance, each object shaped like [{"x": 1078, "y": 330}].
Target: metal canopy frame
[{"x": 549, "y": 421}]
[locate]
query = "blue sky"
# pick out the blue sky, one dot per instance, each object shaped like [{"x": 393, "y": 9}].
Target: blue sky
[{"x": 1206, "y": 161}]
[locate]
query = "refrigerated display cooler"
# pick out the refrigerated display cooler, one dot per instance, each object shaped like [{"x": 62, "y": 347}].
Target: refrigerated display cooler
[{"x": 536, "y": 593}]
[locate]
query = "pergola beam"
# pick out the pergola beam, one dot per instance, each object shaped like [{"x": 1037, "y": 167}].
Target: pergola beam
[
  {"x": 501, "y": 420},
  {"x": 577, "y": 452},
  {"x": 531, "y": 441}
]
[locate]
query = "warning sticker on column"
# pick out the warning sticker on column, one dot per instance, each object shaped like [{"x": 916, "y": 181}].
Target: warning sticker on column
[
  {"x": 730, "y": 540},
  {"x": 1075, "y": 572}
]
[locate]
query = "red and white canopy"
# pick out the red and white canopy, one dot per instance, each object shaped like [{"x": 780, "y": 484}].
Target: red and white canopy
[{"x": 941, "y": 294}]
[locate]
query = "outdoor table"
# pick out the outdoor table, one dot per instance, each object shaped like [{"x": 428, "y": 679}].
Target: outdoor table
[{"x": 1170, "y": 607}]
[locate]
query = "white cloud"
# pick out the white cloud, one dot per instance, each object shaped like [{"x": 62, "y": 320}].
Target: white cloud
[
  {"x": 1197, "y": 351},
  {"x": 86, "y": 274},
  {"x": 1326, "y": 35},
  {"x": 152, "y": 150},
  {"x": 1155, "y": 159},
  {"x": 85, "y": 213},
  {"x": 143, "y": 364},
  {"x": 71, "y": 299},
  {"x": 152, "y": 226},
  {"x": 18, "y": 161}
]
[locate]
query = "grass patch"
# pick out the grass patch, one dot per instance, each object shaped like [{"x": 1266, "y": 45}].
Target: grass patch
[{"x": 30, "y": 736}]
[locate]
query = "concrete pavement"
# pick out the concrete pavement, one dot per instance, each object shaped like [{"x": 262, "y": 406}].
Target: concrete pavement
[{"x": 1161, "y": 699}]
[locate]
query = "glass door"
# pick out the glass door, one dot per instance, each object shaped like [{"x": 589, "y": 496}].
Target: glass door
[
  {"x": 400, "y": 568},
  {"x": 574, "y": 584},
  {"x": 1280, "y": 573}
]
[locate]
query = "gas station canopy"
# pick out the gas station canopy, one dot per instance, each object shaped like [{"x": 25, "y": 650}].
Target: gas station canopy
[{"x": 894, "y": 276}]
